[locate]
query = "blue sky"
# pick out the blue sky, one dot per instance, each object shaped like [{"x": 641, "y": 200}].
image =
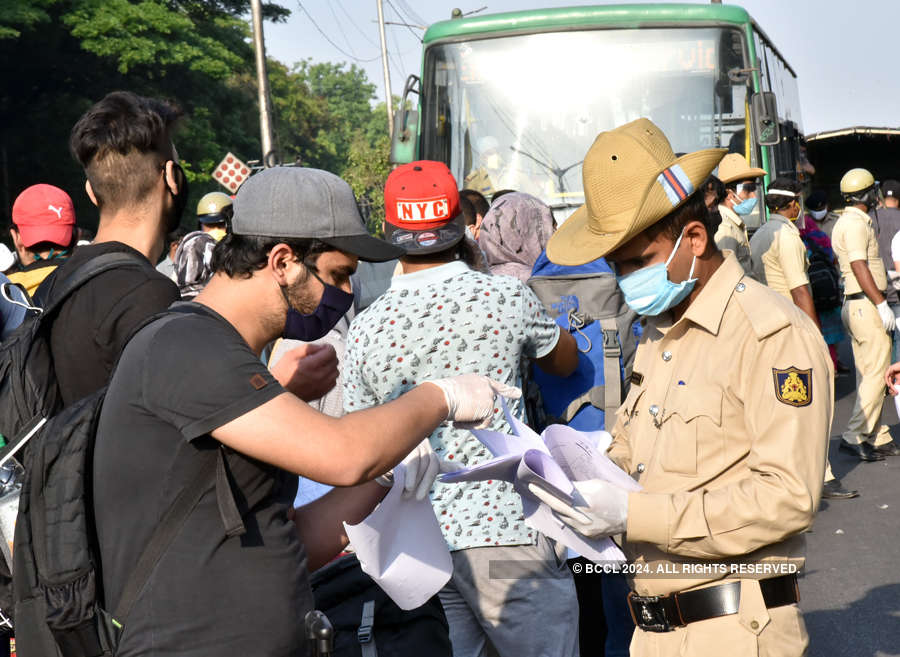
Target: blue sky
[{"x": 845, "y": 55}]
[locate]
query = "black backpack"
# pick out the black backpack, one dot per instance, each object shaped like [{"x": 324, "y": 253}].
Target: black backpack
[
  {"x": 57, "y": 584},
  {"x": 823, "y": 279},
  {"x": 29, "y": 393},
  {"x": 55, "y": 592}
]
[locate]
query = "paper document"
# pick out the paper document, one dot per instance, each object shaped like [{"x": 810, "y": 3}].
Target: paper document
[
  {"x": 400, "y": 546},
  {"x": 552, "y": 461}
]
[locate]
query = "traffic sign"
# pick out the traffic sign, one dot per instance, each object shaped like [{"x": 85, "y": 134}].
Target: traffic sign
[{"x": 231, "y": 172}]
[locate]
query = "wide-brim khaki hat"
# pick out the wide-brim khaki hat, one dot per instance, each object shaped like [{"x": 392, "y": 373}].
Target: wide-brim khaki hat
[
  {"x": 632, "y": 179},
  {"x": 734, "y": 167}
]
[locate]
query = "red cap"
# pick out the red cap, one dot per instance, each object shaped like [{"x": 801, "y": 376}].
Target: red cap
[
  {"x": 44, "y": 213},
  {"x": 420, "y": 196}
]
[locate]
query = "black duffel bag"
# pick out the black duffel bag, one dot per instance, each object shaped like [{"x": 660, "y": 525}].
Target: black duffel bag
[{"x": 368, "y": 623}]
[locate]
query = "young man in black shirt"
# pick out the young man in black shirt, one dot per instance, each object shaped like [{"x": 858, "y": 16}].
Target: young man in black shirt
[
  {"x": 124, "y": 144},
  {"x": 193, "y": 382}
]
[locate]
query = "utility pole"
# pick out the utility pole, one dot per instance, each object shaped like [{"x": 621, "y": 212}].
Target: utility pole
[
  {"x": 387, "y": 71},
  {"x": 265, "y": 110}
]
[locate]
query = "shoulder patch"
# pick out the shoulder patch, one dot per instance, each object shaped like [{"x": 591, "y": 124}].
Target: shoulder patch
[
  {"x": 764, "y": 308},
  {"x": 793, "y": 386}
]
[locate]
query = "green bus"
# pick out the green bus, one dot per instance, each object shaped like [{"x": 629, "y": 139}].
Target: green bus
[{"x": 514, "y": 100}]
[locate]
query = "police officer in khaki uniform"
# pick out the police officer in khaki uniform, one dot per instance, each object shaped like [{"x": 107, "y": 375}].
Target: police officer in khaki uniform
[
  {"x": 779, "y": 255},
  {"x": 866, "y": 315},
  {"x": 725, "y": 424},
  {"x": 741, "y": 197},
  {"x": 780, "y": 262}
]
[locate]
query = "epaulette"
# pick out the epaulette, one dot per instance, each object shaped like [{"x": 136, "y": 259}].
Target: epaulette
[{"x": 767, "y": 311}]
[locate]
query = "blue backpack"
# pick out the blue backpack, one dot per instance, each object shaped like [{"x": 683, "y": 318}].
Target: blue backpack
[{"x": 585, "y": 301}]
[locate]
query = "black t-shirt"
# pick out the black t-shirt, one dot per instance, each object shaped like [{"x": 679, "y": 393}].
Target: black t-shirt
[
  {"x": 95, "y": 323},
  {"x": 210, "y": 595}
]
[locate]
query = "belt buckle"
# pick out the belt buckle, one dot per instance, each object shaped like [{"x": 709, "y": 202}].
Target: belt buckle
[{"x": 648, "y": 615}]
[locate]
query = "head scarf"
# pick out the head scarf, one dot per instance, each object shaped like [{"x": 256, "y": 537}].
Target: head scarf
[
  {"x": 193, "y": 263},
  {"x": 513, "y": 234}
]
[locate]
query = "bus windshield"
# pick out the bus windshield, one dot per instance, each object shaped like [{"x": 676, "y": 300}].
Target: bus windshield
[{"x": 520, "y": 112}]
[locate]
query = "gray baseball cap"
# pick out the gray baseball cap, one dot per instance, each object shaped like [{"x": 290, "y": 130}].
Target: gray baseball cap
[{"x": 298, "y": 202}]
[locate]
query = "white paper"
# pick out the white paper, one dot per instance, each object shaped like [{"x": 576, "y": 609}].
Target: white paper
[
  {"x": 553, "y": 460},
  {"x": 400, "y": 546}
]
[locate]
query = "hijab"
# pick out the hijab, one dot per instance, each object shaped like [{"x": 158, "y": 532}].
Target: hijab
[{"x": 513, "y": 234}]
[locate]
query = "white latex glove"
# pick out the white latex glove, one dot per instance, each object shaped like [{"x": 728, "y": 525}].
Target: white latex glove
[
  {"x": 422, "y": 468},
  {"x": 601, "y": 508},
  {"x": 470, "y": 398},
  {"x": 887, "y": 317}
]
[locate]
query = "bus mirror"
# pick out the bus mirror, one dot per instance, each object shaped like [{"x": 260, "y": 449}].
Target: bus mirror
[
  {"x": 406, "y": 126},
  {"x": 765, "y": 118}
]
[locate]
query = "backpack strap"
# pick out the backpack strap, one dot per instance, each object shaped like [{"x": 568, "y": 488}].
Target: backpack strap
[
  {"x": 596, "y": 397},
  {"x": 364, "y": 634},
  {"x": 85, "y": 272},
  {"x": 211, "y": 469},
  {"x": 166, "y": 531},
  {"x": 612, "y": 355}
]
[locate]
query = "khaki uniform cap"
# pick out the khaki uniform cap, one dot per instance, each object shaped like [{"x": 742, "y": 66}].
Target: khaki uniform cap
[
  {"x": 734, "y": 167},
  {"x": 632, "y": 179}
]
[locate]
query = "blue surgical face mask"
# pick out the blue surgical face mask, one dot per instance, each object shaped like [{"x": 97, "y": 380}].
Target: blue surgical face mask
[
  {"x": 745, "y": 207},
  {"x": 649, "y": 291}
]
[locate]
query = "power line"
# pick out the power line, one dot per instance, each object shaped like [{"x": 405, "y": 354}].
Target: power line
[
  {"x": 399, "y": 54},
  {"x": 338, "y": 23},
  {"x": 404, "y": 20},
  {"x": 328, "y": 39},
  {"x": 354, "y": 24},
  {"x": 410, "y": 13}
]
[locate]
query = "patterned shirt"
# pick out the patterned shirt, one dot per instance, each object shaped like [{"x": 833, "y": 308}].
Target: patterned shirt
[{"x": 440, "y": 322}]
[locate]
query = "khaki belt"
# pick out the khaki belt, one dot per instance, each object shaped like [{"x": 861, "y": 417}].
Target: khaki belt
[{"x": 664, "y": 613}]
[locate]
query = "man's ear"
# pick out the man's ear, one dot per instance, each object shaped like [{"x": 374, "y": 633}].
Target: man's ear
[
  {"x": 90, "y": 193},
  {"x": 172, "y": 181},
  {"x": 281, "y": 261},
  {"x": 698, "y": 238}
]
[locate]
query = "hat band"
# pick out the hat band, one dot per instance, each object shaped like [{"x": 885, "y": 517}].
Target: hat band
[{"x": 675, "y": 184}]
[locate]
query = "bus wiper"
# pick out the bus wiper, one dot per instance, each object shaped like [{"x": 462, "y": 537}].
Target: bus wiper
[{"x": 556, "y": 171}]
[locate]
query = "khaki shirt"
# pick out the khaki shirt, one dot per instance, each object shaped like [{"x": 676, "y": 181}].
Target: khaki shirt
[
  {"x": 779, "y": 256},
  {"x": 732, "y": 236},
  {"x": 725, "y": 427},
  {"x": 854, "y": 239}
]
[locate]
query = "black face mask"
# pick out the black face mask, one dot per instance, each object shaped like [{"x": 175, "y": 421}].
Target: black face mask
[
  {"x": 179, "y": 200},
  {"x": 333, "y": 305}
]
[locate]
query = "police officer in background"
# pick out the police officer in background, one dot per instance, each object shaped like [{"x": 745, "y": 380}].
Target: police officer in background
[
  {"x": 741, "y": 185},
  {"x": 780, "y": 262},
  {"x": 779, "y": 255},
  {"x": 214, "y": 211},
  {"x": 726, "y": 422},
  {"x": 866, "y": 315}
]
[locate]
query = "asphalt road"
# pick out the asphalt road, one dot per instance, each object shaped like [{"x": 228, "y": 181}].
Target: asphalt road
[{"x": 850, "y": 592}]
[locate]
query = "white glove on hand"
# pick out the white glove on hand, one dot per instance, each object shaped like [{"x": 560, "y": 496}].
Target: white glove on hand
[
  {"x": 470, "y": 398},
  {"x": 601, "y": 508},
  {"x": 422, "y": 468},
  {"x": 887, "y": 317}
]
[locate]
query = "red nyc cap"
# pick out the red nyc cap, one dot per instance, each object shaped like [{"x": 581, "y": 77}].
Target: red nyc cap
[
  {"x": 44, "y": 213},
  {"x": 421, "y": 200}
]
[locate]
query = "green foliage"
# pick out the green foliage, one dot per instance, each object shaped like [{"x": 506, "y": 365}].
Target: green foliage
[{"x": 57, "y": 57}]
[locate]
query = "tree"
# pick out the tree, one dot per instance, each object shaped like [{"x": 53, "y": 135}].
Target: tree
[
  {"x": 67, "y": 54},
  {"x": 57, "y": 57}
]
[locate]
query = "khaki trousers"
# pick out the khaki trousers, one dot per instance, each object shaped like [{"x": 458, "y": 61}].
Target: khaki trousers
[
  {"x": 753, "y": 631},
  {"x": 871, "y": 353}
]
